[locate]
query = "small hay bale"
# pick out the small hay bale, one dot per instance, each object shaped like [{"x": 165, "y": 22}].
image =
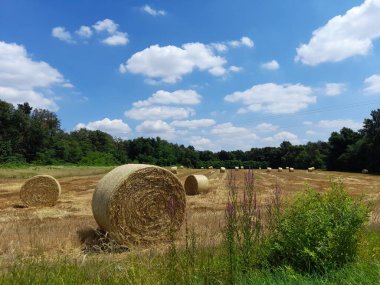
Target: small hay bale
[
  {"x": 196, "y": 184},
  {"x": 236, "y": 168},
  {"x": 241, "y": 167},
  {"x": 210, "y": 167},
  {"x": 269, "y": 169},
  {"x": 139, "y": 204},
  {"x": 310, "y": 169},
  {"x": 291, "y": 169},
  {"x": 182, "y": 167},
  {"x": 279, "y": 169},
  {"x": 222, "y": 169},
  {"x": 174, "y": 170},
  {"x": 365, "y": 171},
  {"x": 40, "y": 190},
  {"x": 202, "y": 167},
  {"x": 287, "y": 168},
  {"x": 260, "y": 167}
]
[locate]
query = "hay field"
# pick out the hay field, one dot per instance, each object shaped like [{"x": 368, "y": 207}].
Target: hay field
[{"x": 66, "y": 227}]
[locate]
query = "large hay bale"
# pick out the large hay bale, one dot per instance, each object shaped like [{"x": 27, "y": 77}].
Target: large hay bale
[
  {"x": 196, "y": 184},
  {"x": 291, "y": 169},
  {"x": 174, "y": 169},
  {"x": 222, "y": 169},
  {"x": 365, "y": 171},
  {"x": 139, "y": 204},
  {"x": 40, "y": 190},
  {"x": 279, "y": 169}
]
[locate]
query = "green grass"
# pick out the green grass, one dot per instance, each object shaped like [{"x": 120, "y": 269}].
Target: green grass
[
  {"x": 26, "y": 171},
  {"x": 204, "y": 265}
]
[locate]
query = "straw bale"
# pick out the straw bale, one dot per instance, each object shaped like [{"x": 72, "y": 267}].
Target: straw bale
[
  {"x": 365, "y": 171},
  {"x": 40, "y": 190},
  {"x": 241, "y": 167},
  {"x": 139, "y": 204},
  {"x": 174, "y": 169},
  {"x": 291, "y": 169},
  {"x": 236, "y": 168},
  {"x": 196, "y": 184},
  {"x": 210, "y": 167},
  {"x": 279, "y": 169},
  {"x": 222, "y": 169},
  {"x": 269, "y": 169}
]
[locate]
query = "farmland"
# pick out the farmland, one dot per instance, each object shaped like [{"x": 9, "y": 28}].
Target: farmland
[{"x": 66, "y": 227}]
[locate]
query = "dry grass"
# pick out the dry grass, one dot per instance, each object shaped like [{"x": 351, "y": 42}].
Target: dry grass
[{"x": 69, "y": 227}]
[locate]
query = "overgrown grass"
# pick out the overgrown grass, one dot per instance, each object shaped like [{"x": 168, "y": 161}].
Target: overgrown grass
[{"x": 244, "y": 257}]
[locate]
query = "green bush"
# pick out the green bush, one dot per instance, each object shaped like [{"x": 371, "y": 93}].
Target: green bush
[
  {"x": 96, "y": 158},
  {"x": 318, "y": 232}
]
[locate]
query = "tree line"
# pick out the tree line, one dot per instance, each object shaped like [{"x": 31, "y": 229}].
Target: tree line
[{"x": 30, "y": 135}]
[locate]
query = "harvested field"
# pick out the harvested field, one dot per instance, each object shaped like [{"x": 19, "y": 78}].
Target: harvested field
[{"x": 63, "y": 228}]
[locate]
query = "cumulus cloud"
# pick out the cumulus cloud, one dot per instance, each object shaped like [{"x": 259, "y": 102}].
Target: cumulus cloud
[
  {"x": 280, "y": 137},
  {"x": 61, "y": 34},
  {"x": 234, "y": 68},
  {"x": 334, "y": 89},
  {"x": 171, "y": 63},
  {"x": 178, "y": 97},
  {"x": 159, "y": 113},
  {"x": 106, "y": 25},
  {"x": 84, "y": 32},
  {"x": 194, "y": 124},
  {"x": 244, "y": 41},
  {"x": 372, "y": 84},
  {"x": 116, "y": 39},
  {"x": 273, "y": 98},
  {"x": 23, "y": 79},
  {"x": 154, "y": 127},
  {"x": 339, "y": 124},
  {"x": 153, "y": 12},
  {"x": 228, "y": 129},
  {"x": 271, "y": 65},
  {"x": 266, "y": 127},
  {"x": 201, "y": 143},
  {"x": 343, "y": 36},
  {"x": 113, "y": 127}
]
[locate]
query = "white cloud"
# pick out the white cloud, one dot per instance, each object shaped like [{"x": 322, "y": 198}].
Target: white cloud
[
  {"x": 343, "y": 36},
  {"x": 280, "y": 137},
  {"x": 373, "y": 84},
  {"x": 170, "y": 63},
  {"x": 154, "y": 127},
  {"x": 228, "y": 129},
  {"x": 61, "y": 34},
  {"x": 106, "y": 25},
  {"x": 201, "y": 143},
  {"x": 194, "y": 124},
  {"x": 311, "y": 132},
  {"x": 273, "y": 98},
  {"x": 307, "y": 123},
  {"x": 339, "y": 124},
  {"x": 159, "y": 113},
  {"x": 334, "y": 89},
  {"x": 116, "y": 39},
  {"x": 149, "y": 10},
  {"x": 220, "y": 47},
  {"x": 266, "y": 127},
  {"x": 84, "y": 32},
  {"x": 234, "y": 68},
  {"x": 23, "y": 79},
  {"x": 113, "y": 127},
  {"x": 244, "y": 41},
  {"x": 178, "y": 97},
  {"x": 271, "y": 65}
]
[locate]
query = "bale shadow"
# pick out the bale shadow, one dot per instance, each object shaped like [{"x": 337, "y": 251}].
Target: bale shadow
[
  {"x": 19, "y": 206},
  {"x": 99, "y": 241}
]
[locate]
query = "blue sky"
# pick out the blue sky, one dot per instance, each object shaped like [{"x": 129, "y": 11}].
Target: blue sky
[{"x": 213, "y": 74}]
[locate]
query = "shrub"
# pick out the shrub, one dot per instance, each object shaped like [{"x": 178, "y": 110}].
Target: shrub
[{"x": 318, "y": 232}]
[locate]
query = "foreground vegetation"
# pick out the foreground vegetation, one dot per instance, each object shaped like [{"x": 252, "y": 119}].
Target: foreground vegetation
[
  {"x": 30, "y": 136},
  {"x": 312, "y": 239}
]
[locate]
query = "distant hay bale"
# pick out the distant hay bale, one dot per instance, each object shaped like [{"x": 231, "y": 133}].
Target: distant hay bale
[
  {"x": 310, "y": 169},
  {"x": 182, "y": 167},
  {"x": 291, "y": 169},
  {"x": 196, "y": 184},
  {"x": 260, "y": 167},
  {"x": 241, "y": 167},
  {"x": 365, "y": 171},
  {"x": 40, "y": 190},
  {"x": 202, "y": 167},
  {"x": 236, "y": 168},
  {"x": 174, "y": 169},
  {"x": 139, "y": 204},
  {"x": 222, "y": 169},
  {"x": 287, "y": 168},
  {"x": 210, "y": 167},
  {"x": 279, "y": 169},
  {"x": 269, "y": 169}
]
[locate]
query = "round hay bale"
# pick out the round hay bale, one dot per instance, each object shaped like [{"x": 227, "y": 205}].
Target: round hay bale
[
  {"x": 279, "y": 169},
  {"x": 174, "y": 169},
  {"x": 365, "y": 171},
  {"x": 291, "y": 169},
  {"x": 269, "y": 169},
  {"x": 260, "y": 167},
  {"x": 182, "y": 167},
  {"x": 40, "y": 190},
  {"x": 196, "y": 184},
  {"x": 210, "y": 167},
  {"x": 202, "y": 167},
  {"x": 287, "y": 168},
  {"x": 310, "y": 169},
  {"x": 241, "y": 167},
  {"x": 139, "y": 204},
  {"x": 236, "y": 168},
  {"x": 222, "y": 169}
]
